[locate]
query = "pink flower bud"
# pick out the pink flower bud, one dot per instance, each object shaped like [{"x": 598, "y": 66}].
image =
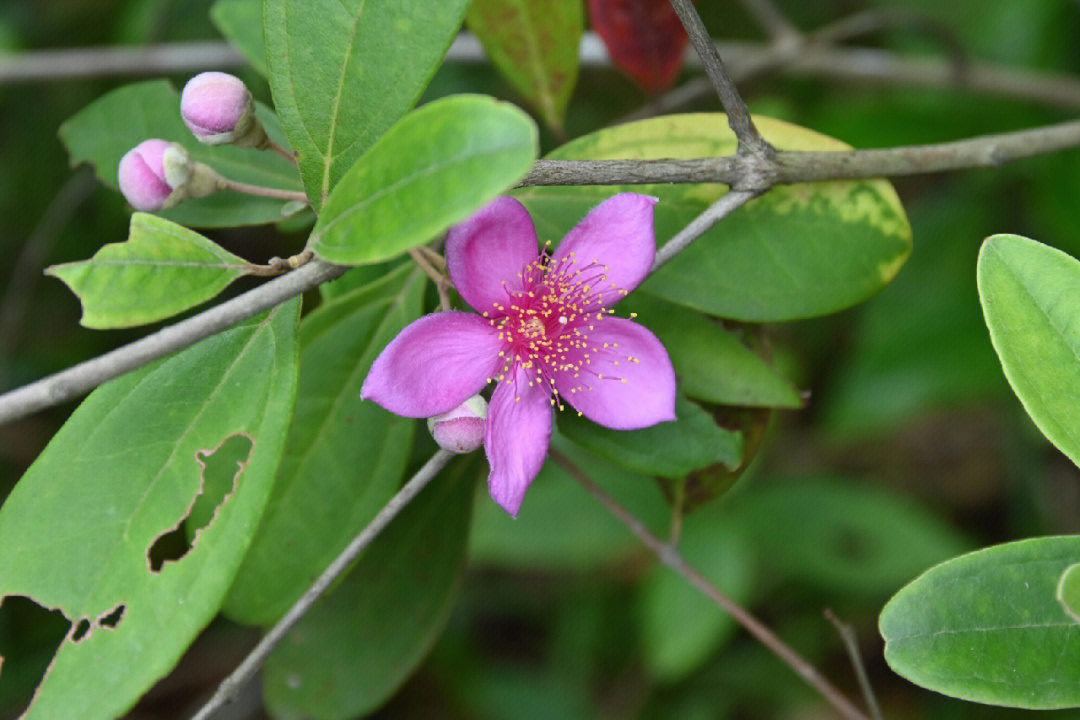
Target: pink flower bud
[
  {"x": 462, "y": 429},
  {"x": 217, "y": 108},
  {"x": 142, "y": 176}
]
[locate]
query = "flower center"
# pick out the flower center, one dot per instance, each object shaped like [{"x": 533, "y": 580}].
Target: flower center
[{"x": 546, "y": 327}]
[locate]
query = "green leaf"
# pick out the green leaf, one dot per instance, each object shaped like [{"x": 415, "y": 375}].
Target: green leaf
[
  {"x": 1068, "y": 591},
  {"x": 431, "y": 170},
  {"x": 344, "y": 457},
  {"x": 358, "y": 277},
  {"x": 712, "y": 363},
  {"x": 102, "y": 132},
  {"x": 343, "y": 71},
  {"x": 561, "y": 526},
  {"x": 798, "y": 251},
  {"x": 680, "y": 627},
  {"x": 161, "y": 270},
  {"x": 1029, "y": 294},
  {"x": 125, "y": 470},
  {"x": 536, "y": 45},
  {"x": 986, "y": 627},
  {"x": 241, "y": 22},
  {"x": 671, "y": 449},
  {"x": 362, "y": 641},
  {"x": 843, "y": 537}
]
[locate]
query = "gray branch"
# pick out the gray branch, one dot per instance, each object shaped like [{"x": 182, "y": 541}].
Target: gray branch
[
  {"x": 727, "y": 204},
  {"x": 84, "y": 377},
  {"x": 861, "y": 64},
  {"x": 790, "y": 167},
  {"x": 770, "y": 18},
  {"x": 742, "y": 172},
  {"x": 750, "y": 140},
  {"x": 246, "y": 670}
]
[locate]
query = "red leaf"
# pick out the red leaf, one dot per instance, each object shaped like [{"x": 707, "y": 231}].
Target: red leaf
[{"x": 645, "y": 38}]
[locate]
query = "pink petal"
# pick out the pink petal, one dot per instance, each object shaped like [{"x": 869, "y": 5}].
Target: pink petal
[
  {"x": 434, "y": 365},
  {"x": 518, "y": 433},
  {"x": 616, "y": 239},
  {"x": 628, "y": 395},
  {"x": 144, "y": 189},
  {"x": 490, "y": 250},
  {"x": 214, "y": 102}
]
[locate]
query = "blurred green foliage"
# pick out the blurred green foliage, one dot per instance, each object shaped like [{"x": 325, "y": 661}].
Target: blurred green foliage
[{"x": 558, "y": 614}]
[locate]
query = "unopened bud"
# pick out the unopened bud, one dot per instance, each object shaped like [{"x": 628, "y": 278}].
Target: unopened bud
[
  {"x": 218, "y": 109},
  {"x": 142, "y": 177},
  {"x": 157, "y": 175},
  {"x": 462, "y": 429}
]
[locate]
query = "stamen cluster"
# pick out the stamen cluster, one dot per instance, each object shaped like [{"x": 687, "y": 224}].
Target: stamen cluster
[{"x": 546, "y": 327}]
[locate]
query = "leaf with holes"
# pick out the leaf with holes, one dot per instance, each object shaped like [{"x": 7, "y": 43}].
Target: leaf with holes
[
  {"x": 240, "y": 21},
  {"x": 102, "y": 132},
  {"x": 670, "y": 449},
  {"x": 986, "y": 627},
  {"x": 161, "y": 270},
  {"x": 343, "y": 71},
  {"x": 431, "y": 170},
  {"x": 798, "y": 251},
  {"x": 344, "y": 457},
  {"x": 357, "y": 646},
  {"x": 88, "y": 522},
  {"x": 645, "y": 38},
  {"x": 535, "y": 44},
  {"x": 843, "y": 537},
  {"x": 1029, "y": 294}
]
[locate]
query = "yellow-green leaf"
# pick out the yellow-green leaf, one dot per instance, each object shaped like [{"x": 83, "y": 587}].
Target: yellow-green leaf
[
  {"x": 798, "y": 251},
  {"x": 161, "y": 270}
]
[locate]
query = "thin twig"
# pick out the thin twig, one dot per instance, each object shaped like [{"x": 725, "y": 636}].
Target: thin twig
[
  {"x": 788, "y": 48},
  {"x": 260, "y": 191},
  {"x": 769, "y": 17},
  {"x": 434, "y": 256},
  {"x": 787, "y": 167},
  {"x": 243, "y": 673},
  {"x": 851, "y": 643},
  {"x": 279, "y": 266},
  {"x": 873, "y": 65},
  {"x": 750, "y": 140},
  {"x": 728, "y": 203},
  {"x": 440, "y": 280},
  {"x": 280, "y": 151},
  {"x": 80, "y": 379},
  {"x": 670, "y": 557}
]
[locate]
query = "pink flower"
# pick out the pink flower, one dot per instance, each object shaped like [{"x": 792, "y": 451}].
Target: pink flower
[{"x": 545, "y": 332}]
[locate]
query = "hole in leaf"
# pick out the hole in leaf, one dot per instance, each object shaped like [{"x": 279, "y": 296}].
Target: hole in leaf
[
  {"x": 221, "y": 470},
  {"x": 29, "y": 638},
  {"x": 112, "y": 619},
  {"x": 82, "y": 628}
]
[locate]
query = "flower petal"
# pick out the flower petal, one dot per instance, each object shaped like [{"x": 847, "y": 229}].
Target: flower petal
[
  {"x": 518, "y": 433},
  {"x": 490, "y": 250},
  {"x": 617, "y": 239},
  {"x": 434, "y": 365},
  {"x": 628, "y": 385}
]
